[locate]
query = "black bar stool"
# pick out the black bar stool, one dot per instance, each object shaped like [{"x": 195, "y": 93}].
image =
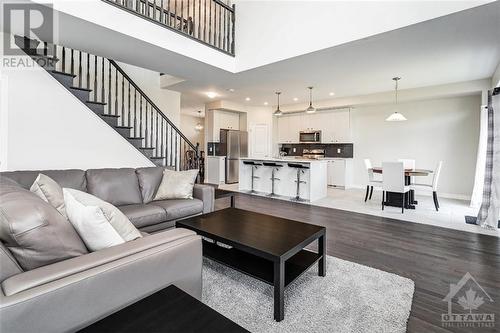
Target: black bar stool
[
  {"x": 275, "y": 167},
  {"x": 254, "y": 166},
  {"x": 301, "y": 168}
]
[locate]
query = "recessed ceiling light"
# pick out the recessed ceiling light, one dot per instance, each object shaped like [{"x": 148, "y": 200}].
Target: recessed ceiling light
[
  {"x": 266, "y": 103},
  {"x": 295, "y": 99},
  {"x": 331, "y": 94},
  {"x": 247, "y": 99},
  {"x": 230, "y": 90},
  {"x": 211, "y": 94}
]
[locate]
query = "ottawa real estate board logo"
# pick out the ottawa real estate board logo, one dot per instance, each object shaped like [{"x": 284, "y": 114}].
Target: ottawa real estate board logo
[{"x": 468, "y": 296}]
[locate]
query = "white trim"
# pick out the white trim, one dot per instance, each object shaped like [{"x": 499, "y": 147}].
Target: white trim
[{"x": 426, "y": 193}]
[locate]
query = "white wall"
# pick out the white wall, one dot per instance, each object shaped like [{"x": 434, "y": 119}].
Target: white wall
[
  {"x": 495, "y": 80},
  {"x": 49, "y": 128},
  {"x": 168, "y": 101},
  {"x": 290, "y": 28},
  {"x": 187, "y": 126}
]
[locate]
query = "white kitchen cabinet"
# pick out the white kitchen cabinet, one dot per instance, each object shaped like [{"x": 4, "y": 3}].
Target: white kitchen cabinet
[
  {"x": 336, "y": 127},
  {"x": 215, "y": 170},
  {"x": 337, "y": 172},
  {"x": 225, "y": 120},
  {"x": 288, "y": 129}
]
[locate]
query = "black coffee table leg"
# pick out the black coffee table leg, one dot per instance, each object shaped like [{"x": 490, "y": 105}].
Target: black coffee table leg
[
  {"x": 279, "y": 290},
  {"x": 322, "y": 251}
]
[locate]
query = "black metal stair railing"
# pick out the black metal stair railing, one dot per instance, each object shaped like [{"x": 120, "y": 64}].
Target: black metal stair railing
[
  {"x": 210, "y": 22},
  {"x": 108, "y": 91}
]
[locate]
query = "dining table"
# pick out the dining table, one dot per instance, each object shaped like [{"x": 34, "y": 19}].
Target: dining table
[{"x": 394, "y": 199}]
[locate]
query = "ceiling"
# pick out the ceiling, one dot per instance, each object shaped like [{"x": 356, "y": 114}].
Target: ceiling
[{"x": 458, "y": 47}]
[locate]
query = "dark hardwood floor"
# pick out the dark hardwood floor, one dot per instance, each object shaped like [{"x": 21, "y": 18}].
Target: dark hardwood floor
[{"x": 433, "y": 257}]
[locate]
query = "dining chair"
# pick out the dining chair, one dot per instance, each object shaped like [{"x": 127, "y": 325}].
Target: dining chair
[
  {"x": 372, "y": 182},
  {"x": 433, "y": 187},
  {"x": 393, "y": 180},
  {"x": 408, "y": 164}
]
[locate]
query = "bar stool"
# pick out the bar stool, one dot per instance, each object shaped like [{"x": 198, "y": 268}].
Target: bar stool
[
  {"x": 255, "y": 166},
  {"x": 301, "y": 168},
  {"x": 275, "y": 167}
]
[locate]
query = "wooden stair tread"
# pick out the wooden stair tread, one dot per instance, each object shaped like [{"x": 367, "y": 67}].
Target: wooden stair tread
[
  {"x": 62, "y": 73},
  {"x": 96, "y": 102},
  {"x": 83, "y": 89}
]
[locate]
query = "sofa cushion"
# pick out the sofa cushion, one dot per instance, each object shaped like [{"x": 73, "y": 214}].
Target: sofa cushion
[
  {"x": 116, "y": 186},
  {"x": 142, "y": 215},
  {"x": 72, "y": 178},
  {"x": 113, "y": 215},
  {"x": 180, "y": 208},
  {"x": 149, "y": 181},
  {"x": 49, "y": 191},
  {"x": 35, "y": 232},
  {"x": 8, "y": 264}
]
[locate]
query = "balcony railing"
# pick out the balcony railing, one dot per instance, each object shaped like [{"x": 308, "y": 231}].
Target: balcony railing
[{"x": 210, "y": 22}]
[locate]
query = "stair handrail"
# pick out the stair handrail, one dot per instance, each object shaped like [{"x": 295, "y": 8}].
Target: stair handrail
[{"x": 141, "y": 92}]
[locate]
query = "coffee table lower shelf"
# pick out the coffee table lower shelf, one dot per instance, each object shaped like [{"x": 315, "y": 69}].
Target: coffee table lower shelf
[{"x": 257, "y": 267}]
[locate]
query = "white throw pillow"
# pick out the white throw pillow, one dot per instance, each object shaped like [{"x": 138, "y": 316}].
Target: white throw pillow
[
  {"x": 49, "y": 191},
  {"x": 115, "y": 217},
  {"x": 176, "y": 185},
  {"x": 91, "y": 224}
]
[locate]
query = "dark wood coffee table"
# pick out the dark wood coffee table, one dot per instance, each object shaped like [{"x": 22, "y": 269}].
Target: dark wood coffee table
[
  {"x": 168, "y": 310},
  {"x": 265, "y": 247}
]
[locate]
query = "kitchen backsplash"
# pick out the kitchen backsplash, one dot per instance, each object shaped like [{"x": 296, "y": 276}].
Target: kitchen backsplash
[{"x": 342, "y": 150}]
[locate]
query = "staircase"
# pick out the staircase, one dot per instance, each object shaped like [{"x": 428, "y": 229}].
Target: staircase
[{"x": 110, "y": 93}]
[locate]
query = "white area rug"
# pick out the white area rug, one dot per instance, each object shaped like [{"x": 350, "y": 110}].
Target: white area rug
[{"x": 351, "y": 298}]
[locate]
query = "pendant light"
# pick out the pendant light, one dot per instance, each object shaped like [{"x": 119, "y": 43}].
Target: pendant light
[
  {"x": 396, "y": 116},
  {"x": 199, "y": 125},
  {"x": 310, "y": 109},
  {"x": 278, "y": 112}
]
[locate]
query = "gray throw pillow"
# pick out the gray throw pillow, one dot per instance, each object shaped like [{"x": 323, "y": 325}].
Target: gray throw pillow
[
  {"x": 49, "y": 191},
  {"x": 176, "y": 185},
  {"x": 35, "y": 232}
]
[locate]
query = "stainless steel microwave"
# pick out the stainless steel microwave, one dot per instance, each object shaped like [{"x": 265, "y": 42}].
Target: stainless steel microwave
[{"x": 310, "y": 136}]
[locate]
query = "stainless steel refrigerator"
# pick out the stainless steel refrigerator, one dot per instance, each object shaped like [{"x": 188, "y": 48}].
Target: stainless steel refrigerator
[{"x": 233, "y": 145}]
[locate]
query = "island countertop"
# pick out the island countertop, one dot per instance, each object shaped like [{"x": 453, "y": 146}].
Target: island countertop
[{"x": 284, "y": 160}]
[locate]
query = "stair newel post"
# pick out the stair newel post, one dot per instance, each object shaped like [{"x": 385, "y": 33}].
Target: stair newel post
[
  {"x": 45, "y": 48},
  {"x": 140, "y": 120},
  {"x": 233, "y": 19},
  {"x": 110, "y": 109},
  {"x": 63, "y": 62},
  {"x": 158, "y": 148},
  {"x": 151, "y": 128},
  {"x": 72, "y": 62},
  {"x": 162, "y": 12},
  {"x": 116, "y": 92},
  {"x": 79, "y": 69},
  {"x": 54, "y": 46},
  {"x": 146, "y": 136},
  {"x": 123, "y": 95},
  {"x": 88, "y": 71},
  {"x": 171, "y": 146},
  {"x": 197, "y": 156},
  {"x": 162, "y": 148},
  {"x": 135, "y": 113},
  {"x": 103, "y": 98},
  {"x": 128, "y": 103},
  {"x": 95, "y": 79},
  {"x": 176, "y": 154}
]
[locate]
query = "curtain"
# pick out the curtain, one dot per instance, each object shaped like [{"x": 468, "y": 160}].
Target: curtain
[
  {"x": 490, "y": 207},
  {"x": 477, "y": 192}
]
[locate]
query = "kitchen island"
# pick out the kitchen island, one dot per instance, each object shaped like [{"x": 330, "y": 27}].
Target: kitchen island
[{"x": 315, "y": 177}]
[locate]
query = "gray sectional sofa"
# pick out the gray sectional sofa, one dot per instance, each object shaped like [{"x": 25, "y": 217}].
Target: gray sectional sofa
[{"x": 67, "y": 295}]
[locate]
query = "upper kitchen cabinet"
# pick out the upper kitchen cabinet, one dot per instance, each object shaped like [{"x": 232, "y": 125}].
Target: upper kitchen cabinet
[
  {"x": 336, "y": 126},
  {"x": 224, "y": 120}
]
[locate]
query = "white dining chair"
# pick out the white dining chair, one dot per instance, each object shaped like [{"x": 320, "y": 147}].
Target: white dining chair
[
  {"x": 372, "y": 182},
  {"x": 393, "y": 180},
  {"x": 432, "y": 187}
]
